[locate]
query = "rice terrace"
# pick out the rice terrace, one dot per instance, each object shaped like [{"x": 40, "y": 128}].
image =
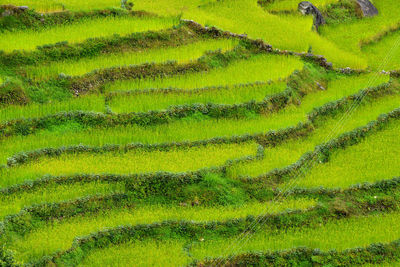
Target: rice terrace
[{"x": 200, "y": 133}]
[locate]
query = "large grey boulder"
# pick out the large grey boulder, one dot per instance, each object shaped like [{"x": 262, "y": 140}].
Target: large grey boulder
[
  {"x": 367, "y": 8},
  {"x": 307, "y": 8}
]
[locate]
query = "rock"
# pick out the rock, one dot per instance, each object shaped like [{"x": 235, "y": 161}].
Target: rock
[
  {"x": 320, "y": 87},
  {"x": 367, "y": 8},
  {"x": 347, "y": 70},
  {"x": 23, "y": 8},
  {"x": 307, "y": 8}
]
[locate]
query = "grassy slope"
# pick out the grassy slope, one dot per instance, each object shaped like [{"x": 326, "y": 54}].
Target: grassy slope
[
  {"x": 12, "y": 204},
  {"x": 289, "y": 152},
  {"x": 258, "y": 68},
  {"x": 227, "y": 95},
  {"x": 291, "y": 32},
  {"x": 377, "y": 51},
  {"x": 196, "y": 128},
  {"x": 291, "y": 5},
  {"x": 78, "y": 32},
  {"x": 339, "y": 235},
  {"x": 374, "y": 159},
  {"x": 135, "y": 161},
  {"x": 348, "y": 36},
  {"x": 181, "y": 54},
  {"x": 85, "y": 103},
  {"x": 59, "y": 235}
]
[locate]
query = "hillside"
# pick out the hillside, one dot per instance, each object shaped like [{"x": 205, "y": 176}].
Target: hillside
[{"x": 199, "y": 133}]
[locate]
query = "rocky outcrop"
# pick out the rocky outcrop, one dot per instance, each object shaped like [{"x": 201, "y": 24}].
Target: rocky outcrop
[
  {"x": 307, "y": 8},
  {"x": 367, "y": 8}
]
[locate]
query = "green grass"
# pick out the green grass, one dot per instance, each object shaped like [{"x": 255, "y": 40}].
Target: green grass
[
  {"x": 243, "y": 71},
  {"x": 171, "y": 7},
  {"x": 289, "y": 152},
  {"x": 140, "y": 253},
  {"x": 181, "y": 54},
  {"x": 134, "y": 161},
  {"x": 289, "y": 32},
  {"x": 291, "y": 5},
  {"x": 60, "y": 234},
  {"x": 348, "y": 36},
  {"x": 78, "y": 32},
  {"x": 143, "y": 102},
  {"x": 383, "y": 264},
  {"x": 339, "y": 235},
  {"x": 378, "y": 50},
  {"x": 162, "y": 7},
  {"x": 189, "y": 129},
  {"x": 351, "y": 43},
  {"x": 12, "y": 204},
  {"x": 186, "y": 129},
  {"x": 374, "y": 159},
  {"x": 56, "y": 5},
  {"x": 83, "y": 103}
]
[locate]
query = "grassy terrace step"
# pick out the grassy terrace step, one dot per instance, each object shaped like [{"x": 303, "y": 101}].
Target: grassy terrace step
[
  {"x": 187, "y": 129},
  {"x": 78, "y": 32},
  {"x": 158, "y": 99},
  {"x": 181, "y": 54},
  {"x": 57, "y": 216},
  {"x": 348, "y": 36},
  {"x": 289, "y": 152},
  {"x": 377, "y": 51},
  {"x": 339, "y": 235},
  {"x": 243, "y": 71},
  {"x": 158, "y": 253},
  {"x": 383, "y": 264},
  {"x": 85, "y": 103},
  {"x": 54, "y": 5},
  {"x": 62, "y": 232},
  {"x": 373, "y": 158},
  {"x": 12, "y": 204},
  {"x": 133, "y": 161},
  {"x": 290, "y": 5},
  {"x": 162, "y": 7},
  {"x": 136, "y": 41},
  {"x": 144, "y": 253},
  {"x": 264, "y": 238},
  {"x": 292, "y": 32}
]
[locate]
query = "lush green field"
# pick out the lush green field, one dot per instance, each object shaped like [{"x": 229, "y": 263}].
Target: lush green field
[
  {"x": 135, "y": 161},
  {"x": 78, "y": 32},
  {"x": 180, "y": 54},
  {"x": 240, "y": 72},
  {"x": 356, "y": 232},
  {"x": 279, "y": 156},
  {"x": 183, "y": 131},
  {"x": 285, "y": 5},
  {"x": 86, "y": 103},
  {"x": 164, "y": 99},
  {"x": 60, "y": 234},
  {"x": 371, "y": 160}
]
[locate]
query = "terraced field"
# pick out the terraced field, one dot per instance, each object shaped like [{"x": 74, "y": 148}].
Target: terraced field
[{"x": 199, "y": 133}]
